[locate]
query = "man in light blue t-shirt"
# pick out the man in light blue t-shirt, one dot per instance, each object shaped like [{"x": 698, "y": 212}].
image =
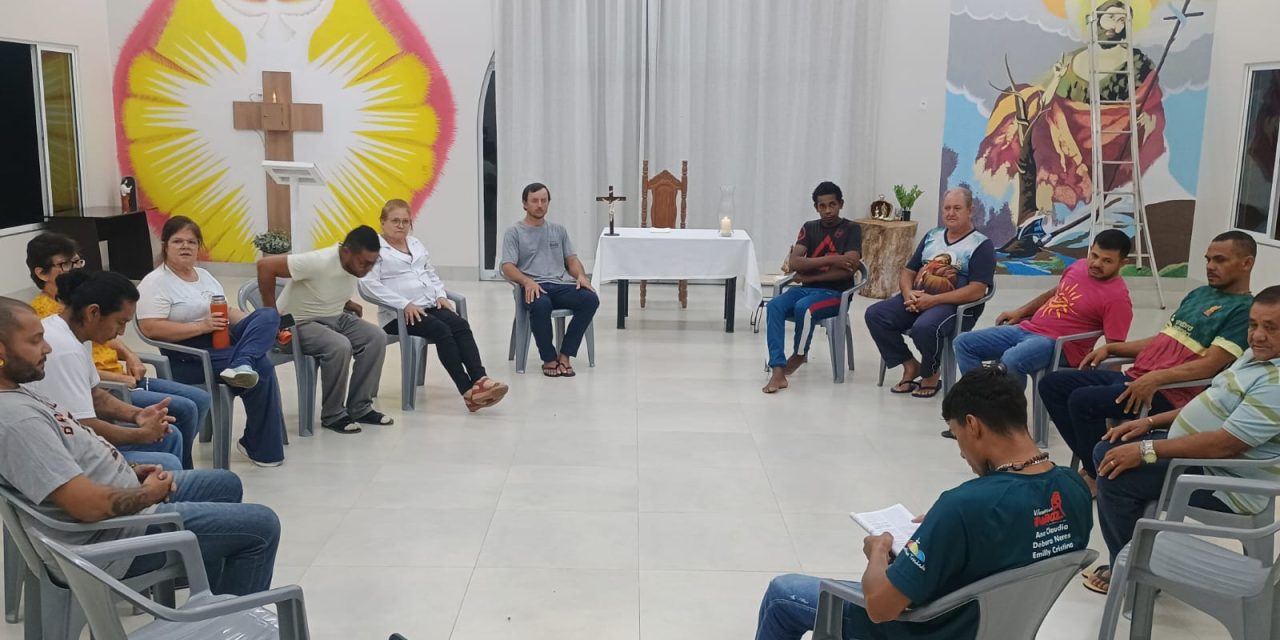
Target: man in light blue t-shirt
[{"x": 538, "y": 256}]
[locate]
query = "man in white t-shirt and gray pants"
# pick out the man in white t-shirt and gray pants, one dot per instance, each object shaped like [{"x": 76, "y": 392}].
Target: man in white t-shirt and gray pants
[{"x": 318, "y": 296}]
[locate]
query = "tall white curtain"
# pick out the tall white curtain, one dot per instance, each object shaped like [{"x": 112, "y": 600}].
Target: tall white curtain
[
  {"x": 768, "y": 97},
  {"x": 765, "y": 96},
  {"x": 568, "y": 75}
]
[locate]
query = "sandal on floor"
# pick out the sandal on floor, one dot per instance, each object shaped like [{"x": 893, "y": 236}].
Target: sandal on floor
[
  {"x": 912, "y": 385},
  {"x": 375, "y": 418},
  {"x": 566, "y": 371},
  {"x": 551, "y": 369},
  {"x": 1096, "y": 574},
  {"x": 925, "y": 391},
  {"x": 343, "y": 425}
]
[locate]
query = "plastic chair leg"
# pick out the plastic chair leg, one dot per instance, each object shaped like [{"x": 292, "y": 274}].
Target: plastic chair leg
[
  {"x": 834, "y": 339},
  {"x": 511, "y": 350},
  {"x": 306, "y": 395},
  {"x": 407, "y": 377},
  {"x": 591, "y": 344},
  {"x": 222, "y": 428},
  {"x": 848, "y": 344},
  {"x": 883, "y": 368},
  {"x": 522, "y": 336},
  {"x": 15, "y": 571}
]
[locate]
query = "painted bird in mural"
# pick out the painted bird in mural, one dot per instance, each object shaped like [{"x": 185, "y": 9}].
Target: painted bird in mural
[{"x": 387, "y": 110}]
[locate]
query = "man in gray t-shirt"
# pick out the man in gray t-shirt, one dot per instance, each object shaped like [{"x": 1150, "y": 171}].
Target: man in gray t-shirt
[
  {"x": 68, "y": 470},
  {"x": 538, "y": 256}
]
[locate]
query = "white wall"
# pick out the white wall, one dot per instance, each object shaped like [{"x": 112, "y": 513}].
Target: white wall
[
  {"x": 916, "y": 37},
  {"x": 1246, "y": 34},
  {"x": 80, "y": 24}
]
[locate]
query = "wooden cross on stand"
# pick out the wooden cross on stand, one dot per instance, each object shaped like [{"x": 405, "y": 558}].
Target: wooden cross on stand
[
  {"x": 612, "y": 200},
  {"x": 278, "y": 116}
]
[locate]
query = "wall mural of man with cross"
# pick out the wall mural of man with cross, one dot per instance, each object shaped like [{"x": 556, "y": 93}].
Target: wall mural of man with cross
[{"x": 207, "y": 89}]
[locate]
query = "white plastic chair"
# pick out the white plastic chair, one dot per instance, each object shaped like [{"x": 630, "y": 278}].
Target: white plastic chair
[
  {"x": 204, "y": 616},
  {"x": 1011, "y": 604},
  {"x": 51, "y": 612},
  {"x": 839, "y": 333},
  {"x": 522, "y": 332},
  {"x": 1173, "y": 556},
  {"x": 413, "y": 349},
  {"x": 1039, "y": 414}
]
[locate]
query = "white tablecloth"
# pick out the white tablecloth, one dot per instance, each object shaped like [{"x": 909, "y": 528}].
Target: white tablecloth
[{"x": 679, "y": 254}]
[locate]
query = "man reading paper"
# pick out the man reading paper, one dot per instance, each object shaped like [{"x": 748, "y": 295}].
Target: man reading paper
[{"x": 1020, "y": 509}]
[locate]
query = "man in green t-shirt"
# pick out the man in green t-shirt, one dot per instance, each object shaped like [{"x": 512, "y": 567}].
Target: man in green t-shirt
[
  {"x": 1020, "y": 509},
  {"x": 1204, "y": 336},
  {"x": 1234, "y": 418}
]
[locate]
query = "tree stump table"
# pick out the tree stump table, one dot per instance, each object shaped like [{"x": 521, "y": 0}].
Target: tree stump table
[{"x": 886, "y": 247}]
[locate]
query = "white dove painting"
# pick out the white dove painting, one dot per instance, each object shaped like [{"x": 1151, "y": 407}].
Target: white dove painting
[{"x": 387, "y": 110}]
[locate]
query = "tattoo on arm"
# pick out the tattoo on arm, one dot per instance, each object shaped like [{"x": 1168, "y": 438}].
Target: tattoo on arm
[{"x": 126, "y": 502}]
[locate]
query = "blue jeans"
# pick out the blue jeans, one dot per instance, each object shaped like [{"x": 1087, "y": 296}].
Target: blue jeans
[
  {"x": 1121, "y": 502},
  {"x": 582, "y": 302},
  {"x": 888, "y": 319},
  {"x": 168, "y": 461},
  {"x": 790, "y": 608},
  {"x": 1022, "y": 352},
  {"x": 1081, "y": 402},
  {"x": 252, "y": 339},
  {"x": 188, "y": 405},
  {"x": 237, "y": 541},
  {"x": 807, "y": 307}
]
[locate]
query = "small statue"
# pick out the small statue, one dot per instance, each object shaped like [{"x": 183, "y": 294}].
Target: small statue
[
  {"x": 882, "y": 209},
  {"x": 128, "y": 195}
]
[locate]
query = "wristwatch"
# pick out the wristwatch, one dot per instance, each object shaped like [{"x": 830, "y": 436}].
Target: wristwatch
[{"x": 1148, "y": 449}]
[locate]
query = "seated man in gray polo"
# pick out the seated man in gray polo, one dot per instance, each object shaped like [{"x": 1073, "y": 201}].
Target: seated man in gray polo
[
  {"x": 539, "y": 256},
  {"x": 318, "y": 296}
]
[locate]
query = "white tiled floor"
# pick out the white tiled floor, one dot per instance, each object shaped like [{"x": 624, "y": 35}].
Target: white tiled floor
[{"x": 650, "y": 497}]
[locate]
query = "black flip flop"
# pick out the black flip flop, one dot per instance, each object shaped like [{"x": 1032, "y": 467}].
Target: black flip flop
[
  {"x": 928, "y": 391},
  {"x": 344, "y": 426},
  {"x": 912, "y": 385},
  {"x": 375, "y": 418}
]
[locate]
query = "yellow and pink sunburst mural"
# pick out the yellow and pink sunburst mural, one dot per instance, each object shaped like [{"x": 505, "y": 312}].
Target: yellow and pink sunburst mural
[{"x": 387, "y": 109}]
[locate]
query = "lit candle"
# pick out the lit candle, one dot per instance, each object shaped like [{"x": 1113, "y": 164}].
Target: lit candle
[{"x": 726, "y": 226}]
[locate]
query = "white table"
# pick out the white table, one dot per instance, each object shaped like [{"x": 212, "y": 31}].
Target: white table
[{"x": 680, "y": 254}]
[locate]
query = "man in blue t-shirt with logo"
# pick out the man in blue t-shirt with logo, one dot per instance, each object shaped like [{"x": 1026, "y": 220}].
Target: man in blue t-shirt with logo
[
  {"x": 825, "y": 259},
  {"x": 953, "y": 265},
  {"x": 1020, "y": 509}
]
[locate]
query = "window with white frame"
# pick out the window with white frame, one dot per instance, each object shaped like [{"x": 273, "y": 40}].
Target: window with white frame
[
  {"x": 1257, "y": 196},
  {"x": 41, "y": 159}
]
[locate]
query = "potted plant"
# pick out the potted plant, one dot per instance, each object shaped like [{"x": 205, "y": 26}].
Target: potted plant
[
  {"x": 273, "y": 243},
  {"x": 906, "y": 199}
]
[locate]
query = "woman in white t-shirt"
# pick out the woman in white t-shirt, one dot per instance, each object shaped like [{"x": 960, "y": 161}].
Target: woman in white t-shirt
[
  {"x": 175, "y": 308},
  {"x": 404, "y": 278}
]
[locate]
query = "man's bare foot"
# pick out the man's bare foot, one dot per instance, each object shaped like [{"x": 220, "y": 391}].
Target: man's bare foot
[
  {"x": 910, "y": 369},
  {"x": 777, "y": 381},
  {"x": 794, "y": 363}
]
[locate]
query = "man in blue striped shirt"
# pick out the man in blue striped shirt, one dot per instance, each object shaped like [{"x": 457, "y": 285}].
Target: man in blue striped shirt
[{"x": 1236, "y": 417}]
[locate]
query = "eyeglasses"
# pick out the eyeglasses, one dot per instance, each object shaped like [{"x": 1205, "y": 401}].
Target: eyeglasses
[
  {"x": 182, "y": 242},
  {"x": 400, "y": 222},
  {"x": 68, "y": 265}
]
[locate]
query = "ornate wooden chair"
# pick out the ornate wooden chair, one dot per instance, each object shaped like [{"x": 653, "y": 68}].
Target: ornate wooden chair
[{"x": 664, "y": 188}]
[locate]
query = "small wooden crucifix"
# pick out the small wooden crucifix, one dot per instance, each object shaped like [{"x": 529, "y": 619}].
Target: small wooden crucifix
[
  {"x": 612, "y": 200},
  {"x": 277, "y": 116}
]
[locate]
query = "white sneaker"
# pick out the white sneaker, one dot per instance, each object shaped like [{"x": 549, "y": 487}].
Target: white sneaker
[
  {"x": 242, "y": 376},
  {"x": 242, "y": 450}
]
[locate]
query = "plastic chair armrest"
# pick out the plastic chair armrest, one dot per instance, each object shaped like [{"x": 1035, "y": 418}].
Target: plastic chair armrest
[
  {"x": 851, "y": 593},
  {"x": 118, "y": 389},
  {"x": 219, "y": 608},
  {"x": 782, "y": 283},
  {"x": 1063, "y": 341},
  {"x": 1179, "y": 466},
  {"x": 167, "y": 520},
  {"x": 1180, "y": 499},
  {"x": 1144, "y": 534},
  {"x": 163, "y": 369},
  {"x": 459, "y": 301}
]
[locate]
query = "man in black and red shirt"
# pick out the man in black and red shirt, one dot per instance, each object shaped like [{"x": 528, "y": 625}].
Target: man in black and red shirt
[{"x": 824, "y": 259}]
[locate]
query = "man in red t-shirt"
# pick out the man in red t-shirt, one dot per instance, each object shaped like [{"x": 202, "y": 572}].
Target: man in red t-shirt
[{"x": 1091, "y": 296}]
